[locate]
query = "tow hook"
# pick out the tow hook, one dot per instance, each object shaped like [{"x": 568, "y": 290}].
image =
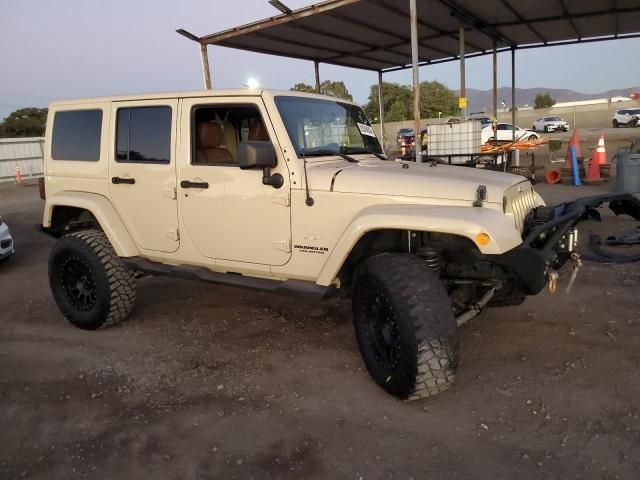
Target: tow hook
[{"x": 552, "y": 281}]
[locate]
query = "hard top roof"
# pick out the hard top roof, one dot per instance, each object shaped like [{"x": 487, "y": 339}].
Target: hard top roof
[{"x": 245, "y": 92}]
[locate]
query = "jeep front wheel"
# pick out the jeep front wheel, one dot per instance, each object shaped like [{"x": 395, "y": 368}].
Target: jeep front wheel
[
  {"x": 405, "y": 326},
  {"x": 89, "y": 282}
]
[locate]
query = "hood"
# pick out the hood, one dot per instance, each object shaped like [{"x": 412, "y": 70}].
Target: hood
[{"x": 409, "y": 179}]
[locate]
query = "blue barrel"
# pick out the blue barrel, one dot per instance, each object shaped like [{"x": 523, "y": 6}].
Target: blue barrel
[{"x": 628, "y": 172}]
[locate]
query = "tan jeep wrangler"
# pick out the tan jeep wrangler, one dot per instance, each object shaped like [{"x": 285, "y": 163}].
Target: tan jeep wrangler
[{"x": 291, "y": 192}]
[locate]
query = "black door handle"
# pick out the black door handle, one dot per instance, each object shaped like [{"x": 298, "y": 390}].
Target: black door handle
[
  {"x": 188, "y": 184},
  {"x": 118, "y": 180}
]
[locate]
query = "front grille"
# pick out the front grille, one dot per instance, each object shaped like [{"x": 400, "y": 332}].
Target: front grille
[{"x": 519, "y": 200}]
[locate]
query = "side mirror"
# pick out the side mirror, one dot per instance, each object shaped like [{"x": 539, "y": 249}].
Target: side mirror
[{"x": 252, "y": 154}]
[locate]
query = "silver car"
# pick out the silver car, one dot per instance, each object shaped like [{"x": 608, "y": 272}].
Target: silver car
[{"x": 6, "y": 242}]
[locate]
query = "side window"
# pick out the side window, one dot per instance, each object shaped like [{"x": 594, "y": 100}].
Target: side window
[
  {"x": 143, "y": 135},
  {"x": 76, "y": 135},
  {"x": 216, "y": 132}
]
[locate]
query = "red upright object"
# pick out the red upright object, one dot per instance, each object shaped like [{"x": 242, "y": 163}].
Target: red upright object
[
  {"x": 18, "y": 175},
  {"x": 600, "y": 154},
  {"x": 575, "y": 141},
  {"x": 599, "y": 157},
  {"x": 594, "y": 171}
]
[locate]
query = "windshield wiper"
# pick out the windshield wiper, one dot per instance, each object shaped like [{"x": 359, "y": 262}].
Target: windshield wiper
[
  {"x": 318, "y": 152},
  {"x": 356, "y": 150}
]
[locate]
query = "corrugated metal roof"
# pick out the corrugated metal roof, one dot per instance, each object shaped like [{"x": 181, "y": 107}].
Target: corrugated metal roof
[{"x": 374, "y": 34}]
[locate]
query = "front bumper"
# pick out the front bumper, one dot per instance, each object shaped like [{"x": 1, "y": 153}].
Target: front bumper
[
  {"x": 555, "y": 128},
  {"x": 546, "y": 246}
]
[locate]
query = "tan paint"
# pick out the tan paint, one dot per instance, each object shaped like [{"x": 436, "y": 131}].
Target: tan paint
[
  {"x": 105, "y": 213},
  {"x": 464, "y": 221},
  {"x": 148, "y": 208},
  {"x": 240, "y": 225}
]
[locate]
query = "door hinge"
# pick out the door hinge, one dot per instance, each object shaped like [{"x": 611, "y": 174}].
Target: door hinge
[
  {"x": 281, "y": 199},
  {"x": 173, "y": 234},
  {"x": 283, "y": 245}
]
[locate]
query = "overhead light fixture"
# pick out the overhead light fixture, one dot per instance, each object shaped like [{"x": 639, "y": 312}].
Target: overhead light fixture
[{"x": 281, "y": 6}]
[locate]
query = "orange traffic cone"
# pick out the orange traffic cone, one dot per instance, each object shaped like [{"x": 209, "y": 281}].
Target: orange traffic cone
[
  {"x": 593, "y": 177},
  {"x": 18, "y": 175},
  {"x": 575, "y": 141},
  {"x": 553, "y": 176},
  {"x": 599, "y": 156}
]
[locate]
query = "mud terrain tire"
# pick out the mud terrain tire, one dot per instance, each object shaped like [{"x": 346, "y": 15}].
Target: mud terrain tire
[
  {"x": 405, "y": 326},
  {"x": 89, "y": 282}
]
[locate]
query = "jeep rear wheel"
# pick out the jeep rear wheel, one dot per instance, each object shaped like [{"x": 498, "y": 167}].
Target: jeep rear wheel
[
  {"x": 89, "y": 282},
  {"x": 405, "y": 326}
]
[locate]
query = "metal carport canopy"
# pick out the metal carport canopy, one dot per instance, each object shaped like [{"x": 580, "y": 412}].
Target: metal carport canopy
[{"x": 373, "y": 34}]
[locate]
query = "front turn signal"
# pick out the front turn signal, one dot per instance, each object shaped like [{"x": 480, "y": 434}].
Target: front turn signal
[{"x": 483, "y": 239}]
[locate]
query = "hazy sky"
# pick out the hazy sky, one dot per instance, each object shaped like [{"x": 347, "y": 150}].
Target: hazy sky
[{"x": 54, "y": 49}]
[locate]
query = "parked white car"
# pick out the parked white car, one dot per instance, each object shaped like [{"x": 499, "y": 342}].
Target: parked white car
[
  {"x": 550, "y": 124},
  {"x": 627, "y": 116},
  {"x": 6, "y": 242},
  {"x": 504, "y": 133}
]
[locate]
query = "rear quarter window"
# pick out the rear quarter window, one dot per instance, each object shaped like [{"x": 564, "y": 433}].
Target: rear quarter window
[{"x": 76, "y": 135}]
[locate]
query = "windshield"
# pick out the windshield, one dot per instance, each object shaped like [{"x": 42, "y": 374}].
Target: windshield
[
  {"x": 326, "y": 125},
  {"x": 553, "y": 119}
]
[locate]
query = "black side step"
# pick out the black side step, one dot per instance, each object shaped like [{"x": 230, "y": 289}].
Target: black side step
[{"x": 283, "y": 287}]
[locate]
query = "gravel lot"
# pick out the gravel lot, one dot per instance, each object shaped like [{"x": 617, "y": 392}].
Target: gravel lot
[{"x": 209, "y": 382}]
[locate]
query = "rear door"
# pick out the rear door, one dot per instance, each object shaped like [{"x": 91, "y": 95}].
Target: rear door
[{"x": 142, "y": 171}]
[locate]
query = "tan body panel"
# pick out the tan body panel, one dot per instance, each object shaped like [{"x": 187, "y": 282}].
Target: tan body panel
[
  {"x": 463, "y": 221},
  {"x": 240, "y": 225},
  {"x": 103, "y": 210},
  {"x": 149, "y": 208}
]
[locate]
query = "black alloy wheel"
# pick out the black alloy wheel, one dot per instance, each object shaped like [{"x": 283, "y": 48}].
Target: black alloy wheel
[{"x": 78, "y": 283}]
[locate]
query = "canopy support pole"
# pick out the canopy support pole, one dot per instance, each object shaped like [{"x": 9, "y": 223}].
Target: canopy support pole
[
  {"x": 206, "y": 71},
  {"x": 495, "y": 80},
  {"x": 381, "y": 105},
  {"x": 463, "y": 89},
  {"x": 416, "y": 79},
  {"x": 316, "y": 66},
  {"x": 513, "y": 93}
]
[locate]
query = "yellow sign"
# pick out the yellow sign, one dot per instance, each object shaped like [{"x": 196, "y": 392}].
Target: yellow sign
[{"x": 462, "y": 102}]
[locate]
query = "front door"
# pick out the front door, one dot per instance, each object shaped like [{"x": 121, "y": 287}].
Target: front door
[
  {"x": 142, "y": 171},
  {"x": 227, "y": 212}
]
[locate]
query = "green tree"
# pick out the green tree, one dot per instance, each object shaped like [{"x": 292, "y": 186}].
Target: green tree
[
  {"x": 335, "y": 89},
  {"x": 543, "y": 101},
  {"x": 397, "y": 99},
  {"x": 436, "y": 97},
  {"x": 25, "y": 122}
]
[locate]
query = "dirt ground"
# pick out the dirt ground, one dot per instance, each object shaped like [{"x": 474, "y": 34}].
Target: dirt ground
[{"x": 209, "y": 382}]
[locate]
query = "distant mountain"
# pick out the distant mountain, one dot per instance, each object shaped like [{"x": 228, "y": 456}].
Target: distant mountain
[{"x": 482, "y": 100}]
